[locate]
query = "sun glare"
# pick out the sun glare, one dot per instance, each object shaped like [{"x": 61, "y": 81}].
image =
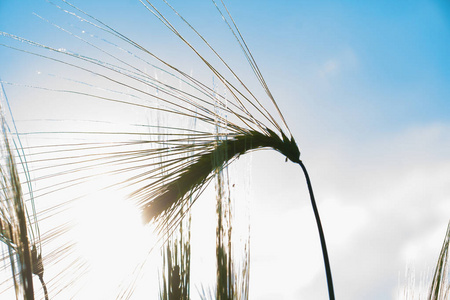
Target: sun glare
[{"x": 112, "y": 239}]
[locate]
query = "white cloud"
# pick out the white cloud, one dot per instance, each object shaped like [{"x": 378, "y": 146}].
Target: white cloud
[{"x": 384, "y": 205}]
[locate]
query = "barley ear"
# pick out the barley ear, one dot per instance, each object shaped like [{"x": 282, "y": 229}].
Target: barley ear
[{"x": 222, "y": 152}]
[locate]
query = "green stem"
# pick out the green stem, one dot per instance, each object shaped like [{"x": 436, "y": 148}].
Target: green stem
[{"x": 321, "y": 234}]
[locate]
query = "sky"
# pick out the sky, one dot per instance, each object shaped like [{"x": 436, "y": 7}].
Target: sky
[{"x": 364, "y": 90}]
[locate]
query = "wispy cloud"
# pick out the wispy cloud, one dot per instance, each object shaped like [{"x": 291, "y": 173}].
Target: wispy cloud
[{"x": 343, "y": 61}]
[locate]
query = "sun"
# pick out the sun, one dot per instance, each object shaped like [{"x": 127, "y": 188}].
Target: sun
[{"x": 112, "y": 239}]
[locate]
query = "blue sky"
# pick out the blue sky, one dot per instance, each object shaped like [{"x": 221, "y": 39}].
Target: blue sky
[{"x": 365, "y": 90}]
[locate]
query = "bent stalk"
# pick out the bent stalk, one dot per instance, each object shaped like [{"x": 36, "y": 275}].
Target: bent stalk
[{"x": 321, "y": 234}]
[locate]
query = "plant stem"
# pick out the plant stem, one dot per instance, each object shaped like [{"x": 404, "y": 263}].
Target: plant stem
[
  {"x": 321, "y": 234},
  {"x": 41, "y": 278}
]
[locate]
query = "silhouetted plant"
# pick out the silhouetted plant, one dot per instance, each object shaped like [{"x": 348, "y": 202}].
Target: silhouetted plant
[
  {"x": 166, "y": 192},
  {"x": 176, "y": 266},
  {"x": 440, "y": 286},
  {"x": 16, "y": 226}
]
